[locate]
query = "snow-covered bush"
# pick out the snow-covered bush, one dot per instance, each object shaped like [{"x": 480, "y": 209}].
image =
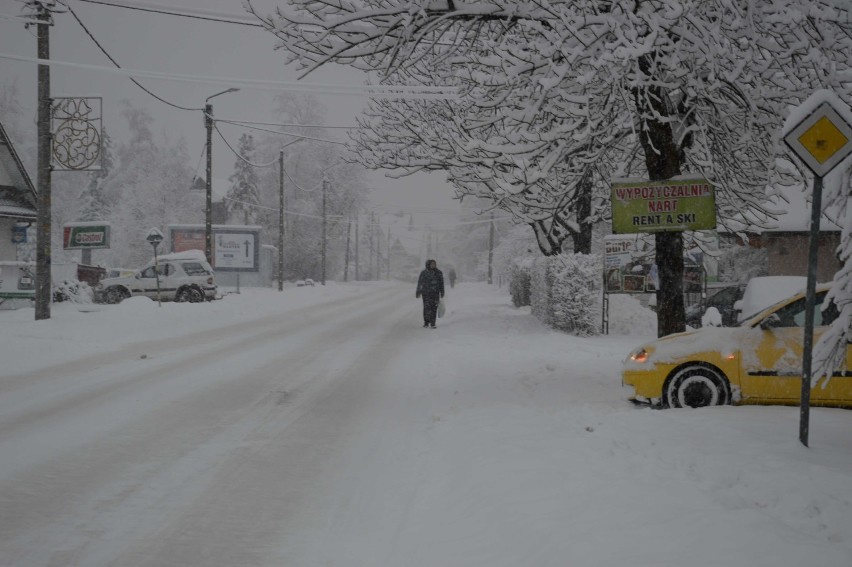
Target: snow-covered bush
[
  {"x": 519, "y": 283},
  {"x": 575, "y": 297},
  {"x": 540, "y": 286},
  {"x": 513, "y": 260},
  {"x": 73, "y": 291},
  {"x": 565, "y": 292}
]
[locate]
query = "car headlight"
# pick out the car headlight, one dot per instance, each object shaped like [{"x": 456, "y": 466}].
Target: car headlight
[{"x": 639, "y": 355}]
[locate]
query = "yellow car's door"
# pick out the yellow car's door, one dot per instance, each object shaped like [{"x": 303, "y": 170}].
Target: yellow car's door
[{"x": 772, "y": 369}]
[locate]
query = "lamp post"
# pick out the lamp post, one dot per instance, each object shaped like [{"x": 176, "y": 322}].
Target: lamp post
[{"x": 208, "y": 207}]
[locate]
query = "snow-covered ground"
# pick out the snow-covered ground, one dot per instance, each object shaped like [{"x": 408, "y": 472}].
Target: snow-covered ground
[{"x": 324, "y": 426}]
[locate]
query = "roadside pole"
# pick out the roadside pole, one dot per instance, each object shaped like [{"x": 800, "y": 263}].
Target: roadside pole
[
  {"x": 154, "y": 238},
  {"x": 821, "y": 140},
  {"x": 43, "y": 178}
]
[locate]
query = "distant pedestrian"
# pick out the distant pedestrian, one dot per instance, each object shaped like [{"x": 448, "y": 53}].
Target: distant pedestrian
[
  {"x": 452, "y": 275},
  {"x": 430, "y": 285}
]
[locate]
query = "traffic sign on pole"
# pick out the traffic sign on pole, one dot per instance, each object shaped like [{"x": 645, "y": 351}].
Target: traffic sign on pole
[{"x": 821, "y": 140}]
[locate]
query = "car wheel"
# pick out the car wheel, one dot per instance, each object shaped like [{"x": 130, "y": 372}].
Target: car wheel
[
  {"x": 697, "y": 386},
  {"x": 115, "y": 295},
  {"x": 190, "y": 295}
]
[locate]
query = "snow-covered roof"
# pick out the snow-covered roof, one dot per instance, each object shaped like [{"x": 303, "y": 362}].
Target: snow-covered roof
[{"x": 17, "y": 192}]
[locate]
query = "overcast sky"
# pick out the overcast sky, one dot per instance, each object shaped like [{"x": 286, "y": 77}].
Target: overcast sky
[{"x": 173, "y": 44}]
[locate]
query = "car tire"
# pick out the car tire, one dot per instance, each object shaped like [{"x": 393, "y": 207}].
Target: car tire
[
  {"x": 190, "y": 295},
  {"x": 115, "y": 295},
  {"x": 695, "y": 386}
]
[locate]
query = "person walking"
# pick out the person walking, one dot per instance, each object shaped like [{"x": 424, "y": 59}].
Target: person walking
[
  {"x": 452, "y": 275},
  {"x": 430, "y": 285}
]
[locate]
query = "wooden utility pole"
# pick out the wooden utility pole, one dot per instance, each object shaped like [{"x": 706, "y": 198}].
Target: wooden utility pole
[
  {"x": 281, "y": 220},
  {"x": 372, "y": 245},
  {"x": 357, "y": 244},
  {"x": 324, "y": 231},
  {"x": 389, "y": 253},
  {"x": 346, "y": 259},
  {"x": 490, "y": 248},
  {"x": 43, "y": 217}
]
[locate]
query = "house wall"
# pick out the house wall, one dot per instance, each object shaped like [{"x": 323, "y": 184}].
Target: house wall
[
  {"x": 8, "y": 250},
  {"x": 788, "y": 255}
]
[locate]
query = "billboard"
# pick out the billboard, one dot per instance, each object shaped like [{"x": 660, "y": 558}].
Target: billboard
[
  {"x": 629, "y": 266},
  {"x": 85, "y": 235},
  {"x": 656, "y": 206},
  {"x": 236, "y": 248}
]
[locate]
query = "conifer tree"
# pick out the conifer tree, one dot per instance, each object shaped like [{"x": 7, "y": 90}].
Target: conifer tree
[{"x": 243, "y": 197}]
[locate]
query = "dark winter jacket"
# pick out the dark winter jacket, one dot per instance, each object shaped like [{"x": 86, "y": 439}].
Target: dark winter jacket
[{"x": 430, "y": 282}]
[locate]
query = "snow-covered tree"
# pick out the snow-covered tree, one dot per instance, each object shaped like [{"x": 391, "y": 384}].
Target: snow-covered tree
[
  {"x": 93, "y": 204},
  {"x": 316, "y": 155},
  {"x": 554, "y": 89},
  {"x": 243, "y": 198},
  {"x": 148, "y": 187}
]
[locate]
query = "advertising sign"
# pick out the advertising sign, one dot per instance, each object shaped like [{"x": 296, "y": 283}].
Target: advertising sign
[
  {"x": 629, "y": 266},
  {"x": 184, "y": 239},
  {"x": 235, "y": 247},
  {"x": 656, "y": 206},
  {"x": 85, "y": 236},
  {"x": 235, "y": 250}
]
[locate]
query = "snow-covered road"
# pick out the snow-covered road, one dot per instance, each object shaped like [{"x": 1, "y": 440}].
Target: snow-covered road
[
  {"x": 214, "y": 447},
  {"x": 327, "y": 427}
]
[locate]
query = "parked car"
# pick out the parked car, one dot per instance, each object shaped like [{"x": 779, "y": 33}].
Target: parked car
[
  {"x": 184, "y": 276},
  {"x": 307, "y": 282},
  {"x": 720, "y": 298},
  {"x": 758, "y": 361},
  {"x": 763, "y": 291}
]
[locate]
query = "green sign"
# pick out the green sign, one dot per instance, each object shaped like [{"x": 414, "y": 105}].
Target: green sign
[
  {"x": 82, "y": 236},
  {"x": 657, "y": 206}
]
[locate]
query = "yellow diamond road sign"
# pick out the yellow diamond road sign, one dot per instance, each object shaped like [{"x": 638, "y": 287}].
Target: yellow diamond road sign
[{"x": 822, "y": 140}]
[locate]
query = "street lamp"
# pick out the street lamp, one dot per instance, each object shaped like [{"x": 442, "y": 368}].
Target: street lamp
[{"x": 208, "y": 208}]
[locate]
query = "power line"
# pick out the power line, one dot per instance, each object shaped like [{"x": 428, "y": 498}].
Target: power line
[
  {"x": 114, "y": 62},
  {"x": 291, "y": 125},
  {"x": 208, "y": 15},
  {"x": 371, "y": 91},
  {"x": 280, "y": 133}
]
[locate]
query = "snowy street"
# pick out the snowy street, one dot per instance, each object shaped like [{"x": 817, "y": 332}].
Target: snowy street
[{"x": 325, "y": 426}]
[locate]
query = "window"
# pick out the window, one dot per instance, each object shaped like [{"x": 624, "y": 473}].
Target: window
[
  {"x": 793, "y": 315},
  {"x": 194, "y": 269},
  {"x": 149, "y": 272}
]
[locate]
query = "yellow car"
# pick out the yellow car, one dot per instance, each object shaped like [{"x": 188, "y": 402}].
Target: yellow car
[{"x": 757, "y": 362}]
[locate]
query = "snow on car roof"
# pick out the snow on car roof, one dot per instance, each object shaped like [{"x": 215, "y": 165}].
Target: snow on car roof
[
  {"x": 765, "y": 291},
  {"x": 185, "y": 255}
]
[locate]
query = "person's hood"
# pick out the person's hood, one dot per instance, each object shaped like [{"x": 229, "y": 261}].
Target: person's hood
[{"x": 428, "y": 262}]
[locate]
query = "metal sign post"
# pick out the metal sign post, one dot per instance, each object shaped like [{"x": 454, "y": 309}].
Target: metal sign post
[
  {"x": 822, "y": 140},
  {"x": 154, "y": 238}
]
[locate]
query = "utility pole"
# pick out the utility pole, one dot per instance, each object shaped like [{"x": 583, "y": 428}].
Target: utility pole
[
  {"x": 389, "y": 253},
  {"x": 324, "y": 232},
  {"x": 372, "y": 247},
  {"x": 43, "y": 218},
  {"x": 346, "y": 259},
  {"x": 208, "y": 205},
  {"x": 490, "y": 247},
  {"x": 281, "y": 220},
  {"x": 357, "y": 241}
]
